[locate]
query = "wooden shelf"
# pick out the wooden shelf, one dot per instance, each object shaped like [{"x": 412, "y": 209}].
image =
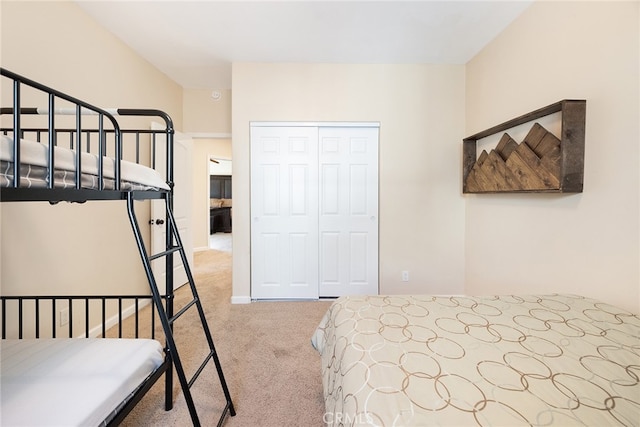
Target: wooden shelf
[{"x": 541, "y": 163}]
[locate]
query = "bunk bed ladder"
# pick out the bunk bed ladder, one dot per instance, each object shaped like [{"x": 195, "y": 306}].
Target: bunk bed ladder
[{"x": 167, "y": 318}]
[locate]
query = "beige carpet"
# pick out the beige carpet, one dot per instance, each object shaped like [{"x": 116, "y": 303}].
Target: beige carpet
[{"x": 272, "y": 371}]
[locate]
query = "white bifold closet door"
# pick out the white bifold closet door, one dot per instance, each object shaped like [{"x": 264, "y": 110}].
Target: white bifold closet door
[
  {"x": 314, "y": 210},
  {"x": 348, "y": 209},
  {"x": 284, "y": 212}
]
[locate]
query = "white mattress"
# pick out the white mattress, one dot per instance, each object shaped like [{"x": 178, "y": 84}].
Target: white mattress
[
  {"x": 71, "y": 382},
  {"x": 33, "y": 158}
]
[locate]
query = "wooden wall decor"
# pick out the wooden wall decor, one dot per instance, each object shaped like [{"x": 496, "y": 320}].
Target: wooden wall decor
[{"x": 541, "y": 163}]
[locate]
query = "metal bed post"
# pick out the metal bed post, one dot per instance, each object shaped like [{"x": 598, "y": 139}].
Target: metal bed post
[
  {"x": 16, "y": 134},
  {"x": 52, "y": 142},
  {"x": 169, "y": 258},
  {"x": 169, "y": 309}
]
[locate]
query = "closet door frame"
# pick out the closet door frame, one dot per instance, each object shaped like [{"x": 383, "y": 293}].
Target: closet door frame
[{"x": 270, "y": 255}]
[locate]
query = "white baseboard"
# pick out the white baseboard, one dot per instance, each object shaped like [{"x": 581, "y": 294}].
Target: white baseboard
[
  {"x": 201, "y": 248},
  {"x": 240, "y": 300}
]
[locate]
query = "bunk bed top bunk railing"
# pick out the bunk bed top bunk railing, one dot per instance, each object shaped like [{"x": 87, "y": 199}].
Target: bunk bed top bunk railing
[{"x": 101, "y": 160}]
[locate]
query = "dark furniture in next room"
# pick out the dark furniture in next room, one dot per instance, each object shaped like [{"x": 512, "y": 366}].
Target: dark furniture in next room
[
  {"x": 220, "y": 204},
  {"x": 220, "y": 219}
]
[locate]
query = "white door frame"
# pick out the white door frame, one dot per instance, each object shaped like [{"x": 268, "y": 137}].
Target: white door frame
[{"x": 182, "y": 202}]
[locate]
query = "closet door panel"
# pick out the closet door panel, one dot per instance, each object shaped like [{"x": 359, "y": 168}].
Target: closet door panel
[
  {"x": 271, "y": 259},
  {"x": 269, "y": 183},
  {"x": 358, "y": 267},
  {"x": 284, "y": 212},
  {"x": 298, "y": 190},
  {"x": 330, "y": 260},
  {"x": 298, "y": 262},
  {"x": 358, "y": 190},
  {"x": 329, "y": 194}
]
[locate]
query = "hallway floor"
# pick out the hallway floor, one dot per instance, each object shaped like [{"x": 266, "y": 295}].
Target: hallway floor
[{"x": 220, "y": 241}]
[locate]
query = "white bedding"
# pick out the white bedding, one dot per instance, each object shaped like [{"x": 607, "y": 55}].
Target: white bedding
[
  {"x": 33, "y": 158},
  {"x": 71, "y": 382},
  {"x": 524, "y": 360}
]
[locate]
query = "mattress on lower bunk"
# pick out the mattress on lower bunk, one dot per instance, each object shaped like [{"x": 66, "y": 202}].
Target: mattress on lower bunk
[
  {"x": 460, "y": 361},
  {"x": 71, "y": 382},
  {"x": 34, "y": 170}
]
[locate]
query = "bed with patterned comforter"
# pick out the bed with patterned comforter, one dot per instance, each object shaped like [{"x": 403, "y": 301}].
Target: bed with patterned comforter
[{"x": 488, "y": 361}]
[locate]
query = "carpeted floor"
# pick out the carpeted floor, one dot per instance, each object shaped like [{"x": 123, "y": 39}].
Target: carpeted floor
[{"x": 272, "y": 371}]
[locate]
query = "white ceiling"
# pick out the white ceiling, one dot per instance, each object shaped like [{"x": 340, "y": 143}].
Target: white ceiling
[{"x": 195, "y": 42}]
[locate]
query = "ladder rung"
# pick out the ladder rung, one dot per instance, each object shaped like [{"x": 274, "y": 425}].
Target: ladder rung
[
  {"x": 227, "y": 408},
  {"x": 182, "y": 311},
  {"x": 165, "y": 253},
  {"x": 200, "y": 369}
]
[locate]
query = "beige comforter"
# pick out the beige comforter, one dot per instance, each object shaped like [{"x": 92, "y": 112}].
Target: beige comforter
[{"x": 493, "y": 361}]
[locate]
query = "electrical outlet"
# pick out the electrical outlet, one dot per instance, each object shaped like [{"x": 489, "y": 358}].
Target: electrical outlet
[
  {"x": 64, "y": 316},
  {"x": 405, "y": 276}
]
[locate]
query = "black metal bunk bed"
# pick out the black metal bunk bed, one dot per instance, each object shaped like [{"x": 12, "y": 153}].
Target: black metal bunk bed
[{"x": 93, "y": 177}]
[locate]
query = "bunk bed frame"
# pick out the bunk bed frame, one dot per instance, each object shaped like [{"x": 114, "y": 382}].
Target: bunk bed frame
[{"x": 110, "y": 184}]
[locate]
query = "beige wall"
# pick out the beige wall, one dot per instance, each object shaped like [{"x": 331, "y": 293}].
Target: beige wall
[
  {"x": 585, "y": 243},
  {"x": 75, "y": 248},
  {"x": 203, "y": 114},
  {"x": 421, "y": 113}
]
